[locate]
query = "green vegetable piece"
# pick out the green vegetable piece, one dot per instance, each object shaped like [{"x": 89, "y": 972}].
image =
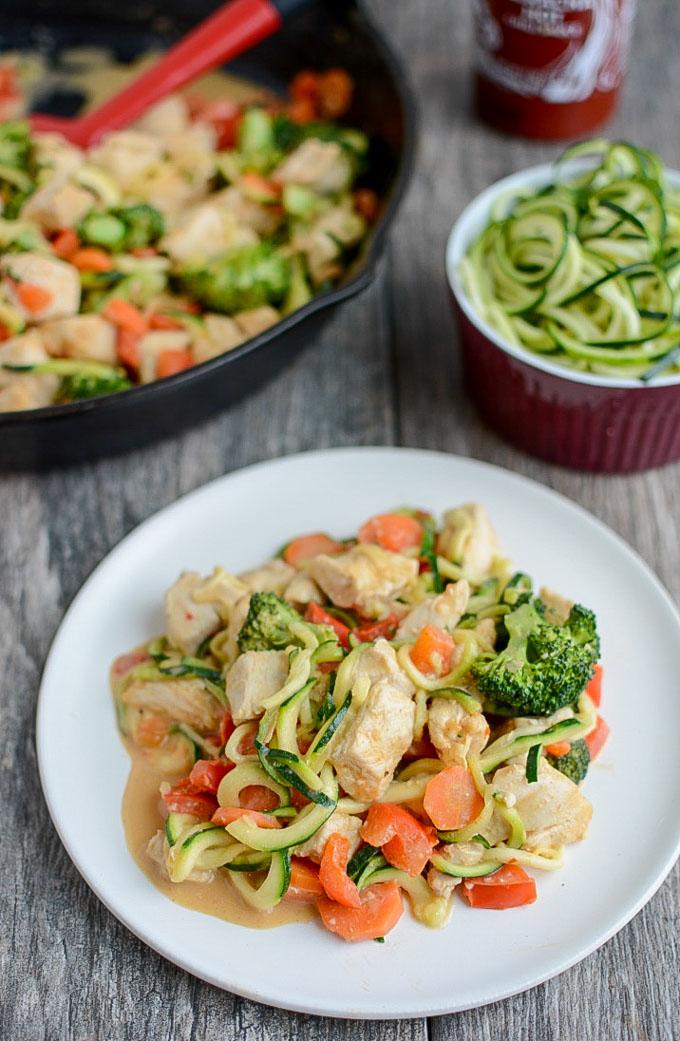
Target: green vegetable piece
[
  {"x": 102, "y": 229},
  {"x": 144, "y": 224},
  {"x": 240, "y": 280},
  {"x": 256, "y": 132},
  {"x": 299, "y": 201},
  {"x": 268, "y": 625},
  {"x": 574, "y": 764},
  {"x": 533, "y": 756}
]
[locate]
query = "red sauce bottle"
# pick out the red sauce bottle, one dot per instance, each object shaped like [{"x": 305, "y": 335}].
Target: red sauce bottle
[{"x": 550, "y": 68}]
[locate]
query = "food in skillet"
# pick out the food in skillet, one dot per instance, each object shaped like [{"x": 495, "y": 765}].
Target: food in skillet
[
  {"x": 586, "y": 271},
  {"x": 396, "y": 712},
  {"x": 172, "y": 242}
]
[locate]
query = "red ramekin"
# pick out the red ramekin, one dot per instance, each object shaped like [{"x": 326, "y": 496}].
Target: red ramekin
[{"x": 576, "y": 419}]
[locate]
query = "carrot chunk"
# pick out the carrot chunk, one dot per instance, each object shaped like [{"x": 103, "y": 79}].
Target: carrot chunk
[
  {"x": 171, "y": 362},
  {"x": 34, "y": 298},
  {"x": 90, "y": 258},
  {"x": 508, "y": 887},
  {"x": 451, "y": 799},
  {"x": 597, "y": 738},
  {"x": 305, "y": 886},
  {"x": 406, "y": 843},
  {"x": 300, "y": 550},
  {"x": 393, "y": 531},
  {"x": 333, "y": 872},
  {"x": 381, "y": 908},
  {"x": 594, "y": 688},
  {"x": 126, "y": 316},
  {"x": 433, "y": 652}
]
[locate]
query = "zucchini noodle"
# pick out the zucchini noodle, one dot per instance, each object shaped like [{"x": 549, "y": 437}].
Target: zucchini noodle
[
  {"x": 585, "y": 270},
  {"x": 231, "y": 749},
  {"x": 299, "y": 668}
]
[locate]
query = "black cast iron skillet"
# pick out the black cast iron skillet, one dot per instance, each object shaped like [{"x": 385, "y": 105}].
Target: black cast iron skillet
[{"x": 326, "y": 34}]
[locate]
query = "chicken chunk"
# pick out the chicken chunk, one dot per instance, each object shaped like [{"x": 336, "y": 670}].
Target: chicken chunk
[
  {"x": 152, "y": 345},
  {"x": 553, "y": 809},
  {"x": 252, "y": 323},
  {"x": 454, "y": 732},
  {"x": 20, "y": 390},
  {"x": 272, "y": 577},
  {"x": 223, "y": 590},
  {"x": 237, "y": 617},
  {"x": 60, "y": 279},
  {"x": 444, "y": 610},
  {"x": 323, "y": 241},
  {"x": 55, "y": 205},
  {"x": 374, "y": 741},
  {"x": 363, "y": 576},
  {"x": 469, "y": 539},
  {"x": 220, "y": 334},
  {"x": 557, "y": 607},
  {"x": 378, "y": 661},
  {"x": 203, "y": 232},
  {"x": 86, "y": 336},
  {"x": 302, "y": 590},
  {"x": 183, "y": 700},
  {"x": 169, "y": 116},
  {"x": 339, "y": 822},
  {"x": 254, "y": 677},
  {"x": 251, "y": 215},
  {"x": 127, "y": 155},
  {"x": 56, "y": 157},
  {"x": 467, "y": 853},
  {"x": 322, "y": 166},
  {"x": 188, "y": 622}
]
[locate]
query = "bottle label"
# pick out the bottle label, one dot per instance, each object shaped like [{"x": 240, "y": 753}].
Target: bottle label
[{"x": 560, "y": 51}]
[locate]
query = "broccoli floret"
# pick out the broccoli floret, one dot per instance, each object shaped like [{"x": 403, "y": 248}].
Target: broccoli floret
[
  {"x": 268, "y": 625},
  {"x": 583, "y": 626},
  {"x": 15, "y": 144},
  {"x": 79, "y": 379},
  {"x": 240, "y": 280},
  {"x": 574, "y": 764},
  {"x": 542, "y": 668},
  {"x": 17, "y": 180},
  {"x": 122, "y": 228},
  {"x": 518, "y": 590}
]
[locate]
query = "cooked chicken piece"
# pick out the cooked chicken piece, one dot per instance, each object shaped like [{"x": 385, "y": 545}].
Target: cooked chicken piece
[
  {"x": 56, "y": 157},
  {"x": 87, "y": 336},
  {"x": 254, "y": 677},
  {"x": 441, "y": 884},
  {"x": 302, "y": 590},
  {"x": 220, "y": 334},
  {"x": 557, "y": 607},
  {"x": 25, "y": 390},
  {"x": 553, "y": 809},
  {"x": 127, "y": 155},
  {"x": 374, "y": 741},
  {"x": 454, "y": 732},
  {"x": 152, "y": 345},
  {"x": 320, "y": 165},
  {"x": 339, "y": 822},
  {"x": 324, "y": 241},
  {"x": 444, "y": 610},
  {"x": 203, "y": 232},
  {"x": 183, "y": 700},
  {"x": 168, "y": 189},
  {"x": 60, "y": 279},
  {"x": 378, "y": 661},
  {"x": 249, "y": 214},
  {"x": 363, "y": 576},
  {"x": 237, "y": 617},
  {"x": 187, "y": 622},
  {"x": 223, "y": 590},
  {"x": 469, "y": 539},
  {"x": 272, "y": 577},
  {"x": 58, "y": 205},
  {"x": 192, "y": 151},
  {"x": 252, "y": 323},
  {"x": 170, "y": 116}
]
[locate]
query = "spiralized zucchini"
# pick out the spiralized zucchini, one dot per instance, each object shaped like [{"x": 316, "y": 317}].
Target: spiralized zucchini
[{"x": 586, "y": 271}]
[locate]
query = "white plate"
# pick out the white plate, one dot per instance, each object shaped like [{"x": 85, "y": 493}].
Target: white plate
[{"x": 238, "y": 521}]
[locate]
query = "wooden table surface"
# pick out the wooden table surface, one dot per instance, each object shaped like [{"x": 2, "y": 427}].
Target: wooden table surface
[{"x": 386, "y": 372}]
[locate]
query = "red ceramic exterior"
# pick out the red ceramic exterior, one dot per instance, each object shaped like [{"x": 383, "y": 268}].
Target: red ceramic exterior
[{"x": 580, "y": 425}]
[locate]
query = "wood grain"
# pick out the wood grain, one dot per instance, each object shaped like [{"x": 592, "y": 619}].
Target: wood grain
[{"x": 385, "y": 372}]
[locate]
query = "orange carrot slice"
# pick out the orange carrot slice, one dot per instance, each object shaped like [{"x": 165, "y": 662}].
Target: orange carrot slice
[
  {"x": 433, "y": 652},
  {"x": 406, "y": 843},
  {"x": 393, "y": 531},
  {"x": 333, "y": 872},
  {"x": 304, "y": 548},
  {"x": 381, "y": 908},
  {"x": 451, "y": 799},
  {"x": 508, "y": 887}
]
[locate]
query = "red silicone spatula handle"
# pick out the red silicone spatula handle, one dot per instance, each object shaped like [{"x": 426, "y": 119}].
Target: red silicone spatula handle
[{"x": 233, "y": 28}]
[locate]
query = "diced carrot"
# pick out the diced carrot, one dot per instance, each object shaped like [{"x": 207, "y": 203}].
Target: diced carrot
[
  {"x": 126, "y": 316},
  {"x": 302, "y": 110},
  {"x": 597, "y": 738},
  {"x": 333, "y": 872},
  {"x": 171, "y": 362},
  {"x": 164, "y": 321},
  {"x": 206, "y": 774},
  {"x": 5, "y": 333},
  {"x": 184, "y": 797},
  {"x": 366, "y": 203},
  {"x": 34, "y": 298},
  {"x": 451, "y": 799},
  {"x": 126, "y": 662},
  {"x": 91, "y": 258},
  {"x": 304, "y": 548},
  {"x": 228, "y": 814},
  {"x": 65, "y": 243},
  {"x": 127, "y": 349},
  {"x": 594, "y": 688},
  {"x": 305, "y": 84},
  {"x": 304, "y": 881},
  {"x": 336, "y": 88},
  {"x": 318, "y": 616},
  {"x": 393, "y": 531},
  {"x": 508, "y": 887},
  {"x": 405, "y": 842},
  {"x": 559, "y": 749},
  {"x": 258, "y": 797},
  {"x": 367, "y": 632},
  {"x": 225, "y": 115},
  {"x": 255, "y": 186},
  {"x": 144, "y": 251},
  {"x": 151, "y": 731},
  {"x": 381, "y": 908},
  {"x": 433, "y": 651}
]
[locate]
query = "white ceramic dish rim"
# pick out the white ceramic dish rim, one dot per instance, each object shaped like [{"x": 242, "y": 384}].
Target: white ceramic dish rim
[
  {"x": 472, "y": 222},
  {"x": 116, "y": 903}
]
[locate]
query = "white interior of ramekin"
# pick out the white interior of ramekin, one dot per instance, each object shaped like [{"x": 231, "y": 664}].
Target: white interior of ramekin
[{"x": 472, "y": 222}]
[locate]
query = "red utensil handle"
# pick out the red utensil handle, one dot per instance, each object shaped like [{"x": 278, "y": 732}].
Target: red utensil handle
[{"x": 233, "y": 28}]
